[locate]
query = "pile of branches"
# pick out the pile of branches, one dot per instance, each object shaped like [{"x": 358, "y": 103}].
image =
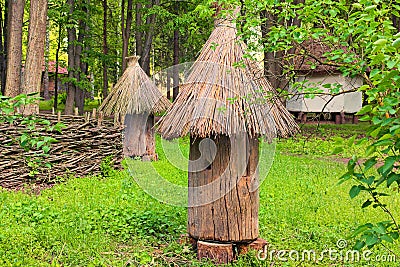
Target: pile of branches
[{"x": 80, "y": 148}]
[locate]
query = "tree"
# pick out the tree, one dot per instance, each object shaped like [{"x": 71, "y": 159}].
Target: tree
[
  {"x": 77, "y": 68},
  {"x": 35, "y": 51},
  {"x": 144, "y": 41},
  {"x": 3, "y": 44},
  {"x": 105, "y": 50},
  {"x": 126, "y": 30},
  {"x": 14, "y": 48},
  {"x": 274, "y": 61}
]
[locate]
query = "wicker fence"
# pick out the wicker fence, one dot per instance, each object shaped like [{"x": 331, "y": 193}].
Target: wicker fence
[{"x": 80, "y": 149}]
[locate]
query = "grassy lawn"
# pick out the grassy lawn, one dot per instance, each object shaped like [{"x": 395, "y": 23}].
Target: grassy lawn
[{"x": 111, "y": 221}]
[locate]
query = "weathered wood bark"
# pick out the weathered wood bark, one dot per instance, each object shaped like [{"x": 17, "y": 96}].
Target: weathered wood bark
[
  {"x": 105, "y": 50},
  {"x": 218, "y": 253},
  {"x": 139, "y": 139},
  {"x": 223, "y": 190},
  {"x": 35, "y": 54},
  {"x": 3, "y": 45},
  {"x": 14, "y": 47}
]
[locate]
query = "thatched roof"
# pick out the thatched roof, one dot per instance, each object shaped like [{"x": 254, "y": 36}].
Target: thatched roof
[
  {"x": 134, "y": 93},
  {"x": 224, "y": 94}
]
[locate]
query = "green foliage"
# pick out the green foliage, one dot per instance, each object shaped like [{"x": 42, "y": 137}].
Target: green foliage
[{"x": 106, "y": 166}]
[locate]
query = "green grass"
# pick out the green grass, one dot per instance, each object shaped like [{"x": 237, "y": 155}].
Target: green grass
[
  {"x": 320, "y": 141},
  {"x": 47, "y": 105},
  {"x": 111, "y": 221}
]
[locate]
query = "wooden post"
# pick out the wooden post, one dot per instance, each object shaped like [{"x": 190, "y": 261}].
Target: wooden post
[
  {"x": 76, "y": 112},
  {"x": 59, "y": 116},
  {"x": 338, "y": 119},
  {"x": 355, "y": 119},
  {"x": 100, "y": 119},
  {"x": 223, "y": 194},
  {"x": 94, "y": 111},
  {"x": 343, "y": 117}
]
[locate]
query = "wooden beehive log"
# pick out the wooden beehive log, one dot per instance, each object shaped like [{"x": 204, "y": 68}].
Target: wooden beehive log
[
  {"x": 139, "y": 136},
  {"x": 134, "y": 100},
  {"x": 223, "y": 184},
  {"x": 223, "y": 196}
]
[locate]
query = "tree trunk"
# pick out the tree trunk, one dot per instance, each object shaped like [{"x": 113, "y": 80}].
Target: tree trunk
[
  {"x": 82, "y": 67},
  {"x": 138, "y": 33},
  {"x": 223, "y": 189},
  {"x": 3, "y": 46},
  {"x": 175, "y": 67},
  {"x": 77, "y": 68},
  {"x": 272, "y": 60},
  {"x": 69, "y": 105},
  {"x": 14, "y": 47},
  {"x": 35, "y": 54},
  {"x": 145, "y": 56},
  {"x": 57, "y": 64},
  {"x": 105, "y": 50},
  {"x": 139, "y": 140},
  {"x": 169, "y": 83},
  {"x": 46, "y": 94},
  {"x": 126, "y": 31}
]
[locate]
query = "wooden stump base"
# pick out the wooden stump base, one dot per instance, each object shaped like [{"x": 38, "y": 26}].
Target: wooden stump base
[
  {"x": 257, "y": 245},
  {"x": 219, "y": 253},
  {"x": 222, "y": 253}
]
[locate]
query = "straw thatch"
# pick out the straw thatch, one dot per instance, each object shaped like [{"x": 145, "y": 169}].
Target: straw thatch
[
  {"x": 225, "y": 94},
  {"x": 134, "y": 93}
]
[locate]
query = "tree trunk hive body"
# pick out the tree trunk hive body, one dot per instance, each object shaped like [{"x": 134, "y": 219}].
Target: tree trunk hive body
[
  {"x": 223, "y": 188},
  {"x": 139, "y": 136}
]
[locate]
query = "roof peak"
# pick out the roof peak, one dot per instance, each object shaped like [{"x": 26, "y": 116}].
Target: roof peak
[{"x": 133, "y": 60}]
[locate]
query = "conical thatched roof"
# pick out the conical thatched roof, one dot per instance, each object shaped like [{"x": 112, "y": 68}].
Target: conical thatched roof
[
  {"x": 134, "y": 93},
  {"x": 224, "y": 94}
]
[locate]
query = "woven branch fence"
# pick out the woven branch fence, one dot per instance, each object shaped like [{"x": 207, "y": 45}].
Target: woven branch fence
[{"x": 80, "y": 149}]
